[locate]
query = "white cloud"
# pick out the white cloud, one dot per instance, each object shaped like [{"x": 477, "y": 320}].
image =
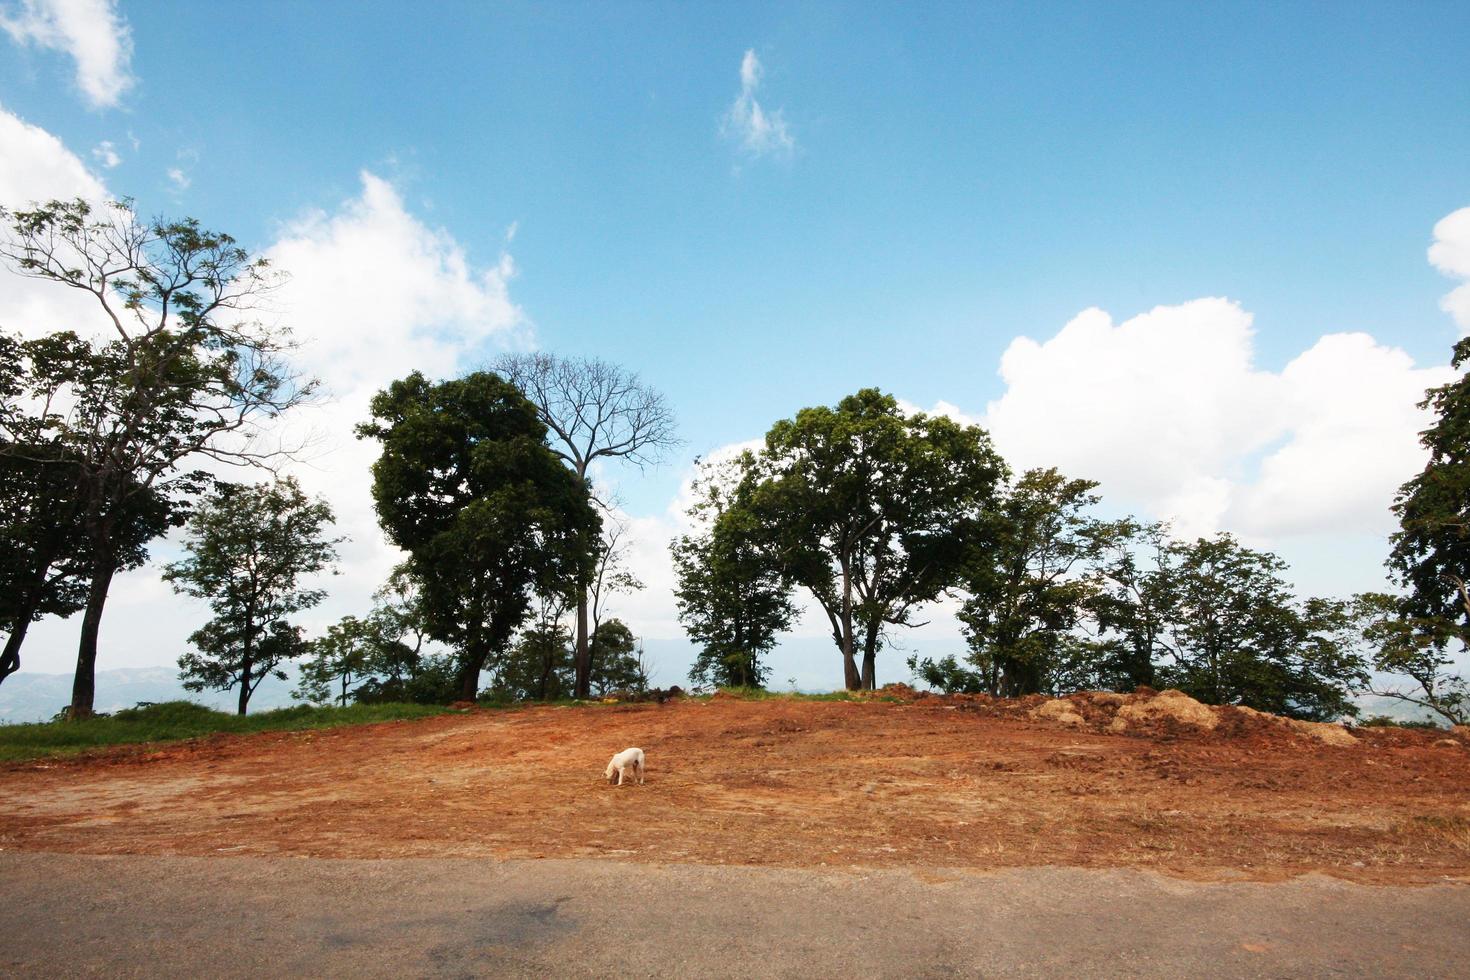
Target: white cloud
[
  {"x": 178, "y": 179},
  {"x": 759, "y": 133},
  {"x": 105, "y": 153},
  {"x": 92, "y": 32},
  {"x": 1170, "y": 413},
  {"x": 36, "y": 167},
  {"x": 1450, "y": 254},
  {"x": 373, "y": 293}
]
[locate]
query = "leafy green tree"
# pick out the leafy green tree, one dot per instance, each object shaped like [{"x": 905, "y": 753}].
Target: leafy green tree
[
  {"x": 1416, "y": 634},
  {"x": 733, "y": 598},
  {"x": 41, "y": 549},
  {"x": 592, "y": 410},
  {"x": 378, "y": 658},
  {"x": 179, "y": 373},
  {"x": 344, "y": 657},
  {"x": 1030, "y": 583},
  {"x": 617, "y": 659},
  {"x": 872, "y": 511},
  {"x": 217, "y": 662},
  {"x": 487, "y": 513},
  {"x": 538, "y": 667},
  {"x": 1129, "y": 610},
  {"x": 46, "y": 555},
  {"x": 249, "y": 547},
  {"x": 1416, "y": 648},
  {"x": 1237, "y": 635}
]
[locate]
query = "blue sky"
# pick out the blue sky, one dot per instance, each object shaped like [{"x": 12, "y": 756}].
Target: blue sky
[{"x": 933, "y": 183}]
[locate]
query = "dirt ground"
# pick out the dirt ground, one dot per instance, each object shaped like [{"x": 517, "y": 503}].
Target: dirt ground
[{"x": 935, "y": 783}]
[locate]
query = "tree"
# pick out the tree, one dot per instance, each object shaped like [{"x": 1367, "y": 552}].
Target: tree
[
  {"x": 249, "y": 546},
  {"x": 592, "y": 410},
  {"x": 344, "y": 657},
  {"x": 871, "y": 510},
  {"x": 1030, "y": 583},
  {"x": 216, "y": 663},
  {"x": 1131, "y": 604},
  {"x": 1416, "y": 648},
  {"x": 40, "y": 547},
  {"x": 611, "y": 576},
  {"x": 377, "y": 658},
  {"x": 733, "y": 599},
  {"x": 178, "y": 373},
  {"x": 45, "y": 552},
  {"x": 487, "y": 513},
  {"x": 538, "y": 667},
  {"x": 1236, "y": 635},
  {"x": 1411, "y": 634},
  {"x": 617, "y": 659}
]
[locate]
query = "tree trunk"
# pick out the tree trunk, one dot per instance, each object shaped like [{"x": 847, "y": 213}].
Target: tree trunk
[
  {"x": 245, "y": 685},
  {"x": 870, "y": 659},
  {"x": 469, "y": 671},
  {"x": 850, "y": 675},
  {"x": 84, "y": 685},
  {"x": 583, "y": 656},
  {"x": 10, "y": 659},
  {"x": 546, "y": 665}
]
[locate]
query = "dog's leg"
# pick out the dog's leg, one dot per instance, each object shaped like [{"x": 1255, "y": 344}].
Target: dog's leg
[{"x": 640, "y": 774}]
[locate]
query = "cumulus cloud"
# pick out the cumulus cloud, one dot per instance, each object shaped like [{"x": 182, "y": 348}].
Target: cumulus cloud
[
  {"x": 1450, "y": 254},
  {"x": 178, "y": 179},
  {"x": 36, "y": 167},
  {"x": 1169, "y": 411},
  {"x": 758, "y": 132},
  {"x": 374, "y": 293},
  {"x": 91, "y": 32}
]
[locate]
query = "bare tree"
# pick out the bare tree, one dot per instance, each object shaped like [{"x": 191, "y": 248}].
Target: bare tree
[
  {"x": 612, "y": 575},
  {"x": 594, "y": 410},
  {"x": 180, "y": 373}
]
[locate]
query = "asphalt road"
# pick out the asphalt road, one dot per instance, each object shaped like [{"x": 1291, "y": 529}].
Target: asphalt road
[{"x": 71, "y": 915}]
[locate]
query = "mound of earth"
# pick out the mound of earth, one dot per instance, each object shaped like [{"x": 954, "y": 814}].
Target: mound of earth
[{"x": 1150, "y": 712}]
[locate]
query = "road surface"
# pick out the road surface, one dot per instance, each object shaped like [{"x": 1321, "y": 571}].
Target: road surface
[{"x": 80, "y": 915}]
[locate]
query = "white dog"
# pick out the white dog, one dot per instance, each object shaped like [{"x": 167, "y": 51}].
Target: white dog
[{"x": 622, "y": 762}]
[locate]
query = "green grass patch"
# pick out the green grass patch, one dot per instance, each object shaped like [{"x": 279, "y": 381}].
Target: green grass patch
[{"x": 175, "y": 720}]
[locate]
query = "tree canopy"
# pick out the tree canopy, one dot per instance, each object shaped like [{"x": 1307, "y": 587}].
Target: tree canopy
[
  {"x": 175, "y": 372},
  {"x": 1416, "y": 633},
  {"x": 732, "y": 597},
  {"x": 488, "y": 514},
  {"x": 592, "y": 410},
  {"x": 871, "y": 510},
  {"x": 249, "y": 547}
]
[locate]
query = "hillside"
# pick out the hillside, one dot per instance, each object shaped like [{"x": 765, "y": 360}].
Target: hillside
[{"x": 935, "y": 782}]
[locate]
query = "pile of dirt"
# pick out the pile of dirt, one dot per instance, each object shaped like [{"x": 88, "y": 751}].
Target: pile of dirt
[{"x": 1150, "y": 712}]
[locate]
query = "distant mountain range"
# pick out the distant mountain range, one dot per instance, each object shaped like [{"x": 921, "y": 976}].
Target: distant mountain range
[{"x": 37, "y": 697}]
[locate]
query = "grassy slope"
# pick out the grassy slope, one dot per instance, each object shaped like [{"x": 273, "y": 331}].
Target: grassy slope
[{"x": 181, "y": 719}]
